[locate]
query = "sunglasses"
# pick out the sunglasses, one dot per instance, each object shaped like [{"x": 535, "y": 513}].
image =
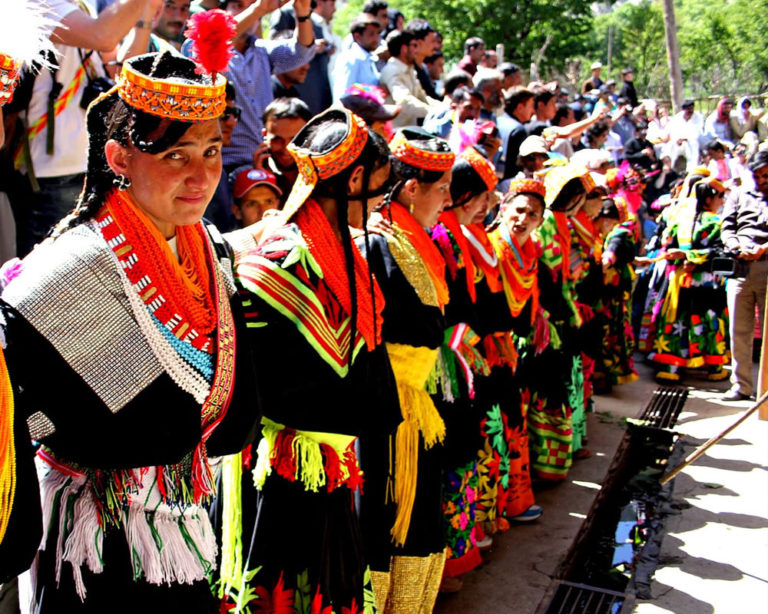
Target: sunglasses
[{"x": 235, "y": 112}]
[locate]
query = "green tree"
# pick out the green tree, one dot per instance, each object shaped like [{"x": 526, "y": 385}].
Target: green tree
[
  {"x": 638, "y": 42},
  {"x": 552, "y": 29}
]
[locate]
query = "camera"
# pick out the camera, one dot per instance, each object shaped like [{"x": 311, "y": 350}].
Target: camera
[
  {"x": 726, "y": 264},
  {"x": 95, "y": 88}
]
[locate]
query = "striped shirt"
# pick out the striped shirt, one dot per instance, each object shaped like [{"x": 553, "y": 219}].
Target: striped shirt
[{"x": 250, "y": 73}]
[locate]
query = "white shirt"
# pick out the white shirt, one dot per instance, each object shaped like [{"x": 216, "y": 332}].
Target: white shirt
[
  {"x": 70, "y": 153},
  {"x": 404, "y": 88}
]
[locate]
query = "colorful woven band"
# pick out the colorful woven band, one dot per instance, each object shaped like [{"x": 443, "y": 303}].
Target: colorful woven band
[
  {"x": 9, "y": 76},
  {"x": 622, "y": 207},
  {"x": 406, "y": 152},
  {"x": 171, "y": 99},
  {"x": 526, "y": 186},
  {"x": 316, "y": 166},
  {"x": 482, "y": 166},
  {"x": 715, "y": 183},
  {"x": 557, "y": 177}
]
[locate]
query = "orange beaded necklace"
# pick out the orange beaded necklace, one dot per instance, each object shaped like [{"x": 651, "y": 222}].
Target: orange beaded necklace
[
  {"x": 329, "y": 253},
  {"x": 179, "y": 292}
]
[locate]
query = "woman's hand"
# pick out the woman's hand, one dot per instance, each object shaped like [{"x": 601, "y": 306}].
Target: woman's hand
[
  {"x": 675, "y": 254},
  {"x": 378, "y": 224}
]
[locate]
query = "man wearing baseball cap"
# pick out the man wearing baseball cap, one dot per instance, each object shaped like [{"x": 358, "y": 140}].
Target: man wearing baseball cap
[{"x": 255, "y": 192}]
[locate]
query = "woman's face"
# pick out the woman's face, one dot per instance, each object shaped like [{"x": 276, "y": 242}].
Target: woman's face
[
  {"x": 430, "y": 199},
  {"x": 375, "y": 182},
  {"x": 522, "y": 215},
  {"x": 174, "y": 187},
  {"x": 474, "y": 211},
  {"x": 592, "y": 206},
  {"x": 713, "y": 203},
  {"x": 606, "y": 224},
  {"x": 577, "y": 202}
]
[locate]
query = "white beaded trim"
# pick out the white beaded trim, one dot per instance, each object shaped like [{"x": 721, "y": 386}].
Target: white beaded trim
[{"x": 185, "y": 376}]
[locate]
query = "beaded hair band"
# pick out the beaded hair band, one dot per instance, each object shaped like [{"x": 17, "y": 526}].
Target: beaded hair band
[
  {"x": 9, "y": 77},
  {"x": 482, "y": 167},
  {"x": 556, "y": 179},
  {"x": 407, "y": 152},
  {"x": 526, "y": 186},
  {"x": 714, "y": 183},
  {"x": 171, "y": 99},
  {"x": 315, "y": 166},
  {"x": 622, "y": 207}
]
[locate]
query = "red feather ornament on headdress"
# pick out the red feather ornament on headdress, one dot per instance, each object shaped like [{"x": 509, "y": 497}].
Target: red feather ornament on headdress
[{"x": 211, "y": 33}]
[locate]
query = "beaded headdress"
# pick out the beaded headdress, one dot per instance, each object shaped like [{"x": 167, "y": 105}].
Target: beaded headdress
[
  {"x": 482, "y": 166},
  {"x": 526, "y": 186},
  {"x": 170, "y": 98},
  {"x": 315, "y": 166},
  {"x": 556, "y": 179},
  {"x": 9, "y": 76},
  {"x": 407, "y": 152}
]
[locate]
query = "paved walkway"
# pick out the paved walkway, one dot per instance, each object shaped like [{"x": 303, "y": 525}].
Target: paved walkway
[{"x": 715, "y": 554}]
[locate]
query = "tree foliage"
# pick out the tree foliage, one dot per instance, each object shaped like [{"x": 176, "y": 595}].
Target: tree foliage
[
  {"x": 722, "y": 45},
  {"x": 722, "y": 42},
  {"x": 547, "y": 30}
]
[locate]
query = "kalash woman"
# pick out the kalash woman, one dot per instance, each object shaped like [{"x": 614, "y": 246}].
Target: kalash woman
[
  {"x": 587, "y": 274},
  {"x": 126, "y": 311},
  {"x": 472, "y": 180},
  {"x": 508, "y": 308},
  {"x": 411, "y": 272},
  {"x": 691, "y": 326},
  {"x": 556, "y": 418},
  {"x": 313, "y": 313},
  {"x": 618, "y": 341}
]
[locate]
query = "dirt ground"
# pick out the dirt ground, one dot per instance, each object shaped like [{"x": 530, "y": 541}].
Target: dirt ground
[{"x": 704, "y": 551}]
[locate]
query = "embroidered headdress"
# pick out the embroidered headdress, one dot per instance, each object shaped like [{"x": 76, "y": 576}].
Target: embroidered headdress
[
  {"x": 472, "y": 175},
  {"x": 169, "y": 97},
  {"x": 482, "y": 166},
  {"x": 315, "y": 166},
  {"x": 559, "y": 176},
  {"x": 526, "y": 186},
  {"x": 406, "y": 151}
]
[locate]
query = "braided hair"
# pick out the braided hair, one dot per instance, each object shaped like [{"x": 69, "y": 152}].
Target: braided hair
[{"x": 324, "y": 137}]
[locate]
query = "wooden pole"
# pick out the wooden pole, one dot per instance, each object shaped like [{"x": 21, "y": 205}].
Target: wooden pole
[
  {"x": 762, "y": 402},
  {"x": 673, "y": 55}
]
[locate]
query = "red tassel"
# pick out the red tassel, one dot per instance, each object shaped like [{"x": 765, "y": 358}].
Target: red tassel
[
  {"x": 332, "y": 466},
  {"x": 211, "y": 33},
  {"x": 248, "y": 457},
  {"x": 283, "y": 461},
  {"x": 355, "y": 481}
]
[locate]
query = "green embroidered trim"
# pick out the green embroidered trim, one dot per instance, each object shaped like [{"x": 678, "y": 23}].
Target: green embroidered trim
[{"x": 287, "y": 294}]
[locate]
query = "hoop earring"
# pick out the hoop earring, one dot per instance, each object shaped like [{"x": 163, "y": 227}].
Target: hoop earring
[{"x": 122, "y": 182}]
